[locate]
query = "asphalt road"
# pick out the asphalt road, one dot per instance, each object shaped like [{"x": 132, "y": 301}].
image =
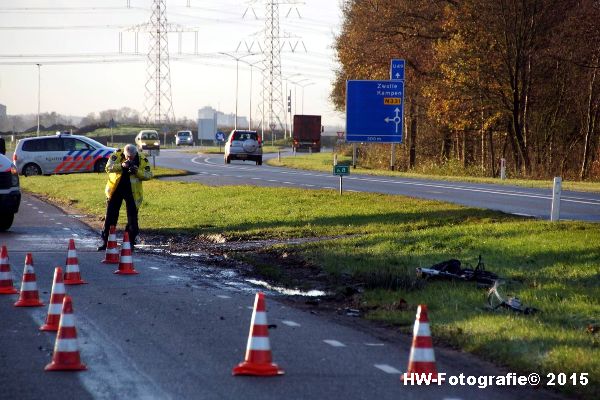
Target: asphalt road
[
  {"x": 176, "y": 330},
  {"x": 210, "y": 169}
]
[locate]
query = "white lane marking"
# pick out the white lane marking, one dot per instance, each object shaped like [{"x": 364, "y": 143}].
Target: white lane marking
[
  {"x": 334, "y": 343},
  {"x": 174, "y": 277},
  {"x": 222, "y": 296},
  {"x": 52, "y": 219},
  {"x": 40, "y": 212},
  {"x": 35, "y": 208},
  {"x": 66, "y": 229},
  {"x": 374, "y": 344},
  {"x": 154, "y": 268},
  {"x": 505, "y": 192},
  {"x": 256, "y": 179},
  {"x": 250, "y": 308},
  {"x": 59, "y": 223},
  {"x": 387, "y": 368},
  {"x": 523, "y": 215},
  {"x": 290, "y": 323}
]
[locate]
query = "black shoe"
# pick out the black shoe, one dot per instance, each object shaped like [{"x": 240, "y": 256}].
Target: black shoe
[{"x": 102, "y": 247}]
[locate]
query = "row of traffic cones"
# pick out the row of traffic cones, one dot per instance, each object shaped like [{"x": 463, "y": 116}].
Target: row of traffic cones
[
  {"x": 125, "y": 260},
  {"x": 259, "y": 362},
  {"x": 258, "y": 358},
  {"x": 60, "y": 317},
  {"x": 60, "y": 310}
]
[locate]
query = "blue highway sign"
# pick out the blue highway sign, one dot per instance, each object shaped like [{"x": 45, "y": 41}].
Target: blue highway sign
[
  {"x": 374, "y": 111},
  {"x": 397, "y": 69},
  {"x": 220, "y": 136}
]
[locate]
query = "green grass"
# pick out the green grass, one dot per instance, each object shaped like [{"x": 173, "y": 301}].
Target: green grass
[
  {"x": 555, "y": 266},
  {"x": 324, "y": 162}
]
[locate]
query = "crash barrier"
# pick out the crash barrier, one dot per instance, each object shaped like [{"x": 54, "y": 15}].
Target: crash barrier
[
  {"x": 258, "y": 359},
  {"x": 72, "y": 274},
  {"x": 112, "y": 251},
  {"x": 421, "y": 361},
  {"x": 126, "y": 260}
]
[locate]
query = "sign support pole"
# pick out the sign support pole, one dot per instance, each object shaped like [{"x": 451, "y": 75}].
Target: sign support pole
[
  {"x": 341, "y": 184},
  {"x": 393, "y": 157},
  {"x": 354, "y": 155}
]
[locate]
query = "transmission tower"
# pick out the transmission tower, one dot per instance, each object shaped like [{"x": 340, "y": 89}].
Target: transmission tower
[
  {"x": 158, "y": 107},
  {"x": 271, "y": 106}
]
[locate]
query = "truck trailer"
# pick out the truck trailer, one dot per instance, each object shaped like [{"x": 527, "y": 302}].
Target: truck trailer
[{"x": 306, "y": 133}]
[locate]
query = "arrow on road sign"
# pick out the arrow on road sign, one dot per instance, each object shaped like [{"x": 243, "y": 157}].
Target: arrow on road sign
[{"x": 396, "y": 119}]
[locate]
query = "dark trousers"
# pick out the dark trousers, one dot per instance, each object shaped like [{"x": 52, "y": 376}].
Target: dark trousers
[{"x": 113, "y": 205}]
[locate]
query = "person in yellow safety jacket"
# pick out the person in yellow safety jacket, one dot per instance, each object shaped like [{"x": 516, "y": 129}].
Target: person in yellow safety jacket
[{"x": 126, "y": 170}]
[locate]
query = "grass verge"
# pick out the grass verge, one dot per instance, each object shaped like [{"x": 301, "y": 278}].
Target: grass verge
[
  {"x": 324, "y": 162},
  {"x": 555, "y": 267}
]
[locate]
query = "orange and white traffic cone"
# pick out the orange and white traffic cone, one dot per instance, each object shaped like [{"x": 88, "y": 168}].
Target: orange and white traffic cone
[
  {"x": 258, "y": 360},
  {"x": 112, "y": 251},
  {"x": 56, "y": 301},
  {"x": 126, "y": 262},
  {"x": 421, "y": 360},
  {"x": 72, "y": 274},
  {"x": 29, "y": 296},
  {"x": 66, "y": 349},
  {"x": 6, "y": 280}
]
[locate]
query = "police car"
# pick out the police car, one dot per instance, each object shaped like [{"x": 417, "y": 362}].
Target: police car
[
  {"x": 10, "y": 194},
  {"x": 60, "y": 154}
]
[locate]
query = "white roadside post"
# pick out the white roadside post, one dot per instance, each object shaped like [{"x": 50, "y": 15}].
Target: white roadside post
[
  {"x": 556, "y": 190},
  {"x": 503, "y": 168}
]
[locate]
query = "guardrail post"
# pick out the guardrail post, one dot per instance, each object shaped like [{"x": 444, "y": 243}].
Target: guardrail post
[{"x": 556, "y": 191}]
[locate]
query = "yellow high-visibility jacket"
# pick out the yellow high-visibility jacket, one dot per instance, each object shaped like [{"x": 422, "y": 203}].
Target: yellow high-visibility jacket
[{"x": 115, "y": 171}]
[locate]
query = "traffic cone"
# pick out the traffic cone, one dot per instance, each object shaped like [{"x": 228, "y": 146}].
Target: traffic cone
[
  {"x": 126, "y": 263},
  {"x": 112, "y": 251},
  {"x": 421, "y": 360},
  {"x": 56, "y": 300},
  {"x": 258, "y": 359},
  {"x": 6, "y": 281},
  {"x": 29, "y": 296},
  {"x": 72, "y": 274},
  {"x": 66, "y": 348}
]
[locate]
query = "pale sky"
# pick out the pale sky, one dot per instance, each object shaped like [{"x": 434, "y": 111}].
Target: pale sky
[{"x": 88, "y": 31}]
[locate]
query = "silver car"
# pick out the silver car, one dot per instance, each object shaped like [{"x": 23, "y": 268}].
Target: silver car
[
  {"x": 184, "y": 137},
  {"x": 243, "y": 145},
  {"x": 60, "y": 154}
]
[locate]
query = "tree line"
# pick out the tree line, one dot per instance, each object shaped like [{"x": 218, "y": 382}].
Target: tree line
[{"x": 485, "y": 80}]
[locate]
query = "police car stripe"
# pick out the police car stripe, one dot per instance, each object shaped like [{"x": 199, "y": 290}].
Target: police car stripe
[
  {"x": 76, "y": 158},
  {"x": 85, "y": 159},
  {"x": 96, "y": 156},
  {"x": 93, "y": 158},
  {"x": 65, "y": 160}
]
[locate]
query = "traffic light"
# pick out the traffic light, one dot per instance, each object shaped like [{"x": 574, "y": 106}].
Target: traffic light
[{"x": 289, "y": 98}]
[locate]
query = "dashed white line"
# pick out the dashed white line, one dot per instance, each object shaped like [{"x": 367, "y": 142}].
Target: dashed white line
[
  {"x": 334, "y": 343},
  {"x": 222, "y": 296},
  {"x": 290, "y": 323},
  {"x": 374, "y": 344},
  {"x": 154, "y": 268},
  {"x": 174, "y": 277},
  {"x": 387, "y": 369},
  {"x": 40, "y": 212},
  {"x": 59, "y": 223},
  {"x": 66, "y": 229}
]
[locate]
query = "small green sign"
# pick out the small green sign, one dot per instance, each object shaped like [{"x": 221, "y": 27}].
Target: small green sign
[{"x": 341, "y": 170}]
